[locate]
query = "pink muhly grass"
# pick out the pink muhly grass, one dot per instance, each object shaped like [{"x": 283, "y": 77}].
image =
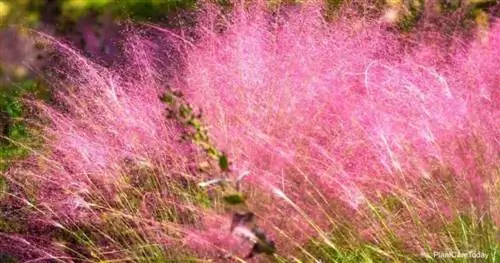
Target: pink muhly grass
[
  {"x": 107, "y": 137},
  {"x": 329, "y": 112},
  {"x": 329, "y": 120}
]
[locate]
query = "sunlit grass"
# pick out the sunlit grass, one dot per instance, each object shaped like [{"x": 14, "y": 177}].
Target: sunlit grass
[{"x": 345, "y": 144}]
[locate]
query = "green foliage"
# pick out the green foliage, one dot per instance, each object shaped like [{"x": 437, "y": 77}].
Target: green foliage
[
  {"x": 223, "y": 162},
  {"x": 15, "y": 132},
  {"x": 411, "y": 18},
  {"x": 29, "y": 12},
  {"x": 20, "y": 12},
  {"x": 466, "y": 232},
  {"x": 234, "y": 199},
  {"x": 470, "y": 232},
  {"x": 125, "y": 242},
  {"x": 324, "y": 253},
  {"x": 150, "y": 9},
  {"x": 194, "y": 130},
  {"x": 74, "y": 9},
  {"x": 12, "y": 128},
  {"x": 183, "y": 113}
]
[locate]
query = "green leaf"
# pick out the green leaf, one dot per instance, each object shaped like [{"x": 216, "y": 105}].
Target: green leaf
[
  {"x": 168, "y": 98},
  {"x": 223, "y": 162},
  {"x": 185, "y": 111},
  {"x": 234, "y": 199}
]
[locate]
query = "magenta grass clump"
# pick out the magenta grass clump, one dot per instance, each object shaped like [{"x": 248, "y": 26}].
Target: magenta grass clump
[
  {"x": 357, "y": 142},
  {"x": 307, "y": 107}
]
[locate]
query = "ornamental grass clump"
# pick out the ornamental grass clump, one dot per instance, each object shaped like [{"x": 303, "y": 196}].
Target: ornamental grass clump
[
  {"x": 268, "y": 135},
  {"x": 375, "y": 144}
]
